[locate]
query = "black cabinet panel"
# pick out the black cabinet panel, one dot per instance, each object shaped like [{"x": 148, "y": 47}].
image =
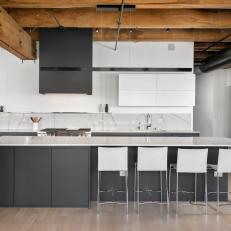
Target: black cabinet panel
[
  {"x": 6, "y": 176},
  {"x": 65, "y": 61},
  {"x": 32, "y": 176},
  {"x": 65, "y": 82},
  {"x": 70, "y": 176},
  {"x": 66, "y": 48}
]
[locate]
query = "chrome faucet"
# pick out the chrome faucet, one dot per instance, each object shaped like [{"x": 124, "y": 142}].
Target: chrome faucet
[{"x": 148, "y": 121}]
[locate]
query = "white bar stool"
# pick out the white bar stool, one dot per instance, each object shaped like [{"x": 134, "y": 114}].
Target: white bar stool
[
  {"x": 191, "y": 161},
  {"x": 150, "y": 159},
  {"x": 112, "y": 159},
  {"x": 223, "y": 166}
]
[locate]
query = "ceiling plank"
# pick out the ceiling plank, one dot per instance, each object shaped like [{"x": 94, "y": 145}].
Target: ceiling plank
[
  {"x": 158, "y": 19},
  {"x": 142, "y": 4},
  {"x": 204, "y": 38},
  {"x": 14, "y": 39}
]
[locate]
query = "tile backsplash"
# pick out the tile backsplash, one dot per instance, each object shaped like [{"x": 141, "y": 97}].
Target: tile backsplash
[{"x": 96, "y": 121}]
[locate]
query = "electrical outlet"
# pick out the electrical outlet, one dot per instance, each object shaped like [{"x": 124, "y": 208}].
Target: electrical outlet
[
  {"x": 216, "y": 174},
  {"x": 122, "y": 173}
]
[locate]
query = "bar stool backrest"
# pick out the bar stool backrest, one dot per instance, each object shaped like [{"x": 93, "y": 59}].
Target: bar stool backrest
[
  {"x": 192, "y": 160},
  {"x": 152, "y": 159},
  {"x": 224, "y": 161},
  {"x": 112, "y": 159}
]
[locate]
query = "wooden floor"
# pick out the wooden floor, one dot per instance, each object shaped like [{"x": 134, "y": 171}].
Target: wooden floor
[{"x": 113, "y": 218}]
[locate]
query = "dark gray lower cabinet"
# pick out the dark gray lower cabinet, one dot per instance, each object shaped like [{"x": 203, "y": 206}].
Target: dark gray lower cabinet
[
  {"x": 70, "y": 176},
  {"x": 32, "y": 177},
  {"x": 6, "y": 176}
]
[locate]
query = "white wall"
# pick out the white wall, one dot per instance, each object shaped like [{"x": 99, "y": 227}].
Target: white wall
[
  {"x": 212, "y": 114},
  {"x": 19, "y": 82}
]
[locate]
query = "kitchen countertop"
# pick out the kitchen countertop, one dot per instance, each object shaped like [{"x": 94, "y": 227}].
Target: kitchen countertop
[
  {"x": 143, "y": 131},
  {"x": 115, "y": 141}
]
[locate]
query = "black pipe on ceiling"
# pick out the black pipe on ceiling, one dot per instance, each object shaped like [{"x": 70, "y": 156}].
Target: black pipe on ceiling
[{"x": 217, "y": 61}]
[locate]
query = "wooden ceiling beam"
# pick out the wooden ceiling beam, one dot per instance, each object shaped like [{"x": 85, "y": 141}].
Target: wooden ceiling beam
[
  {"x": 150, "y": 19},
  {"x": 137, "y": 35},
  {"x": 199, "y": 46},
  {"x": 141, "y": 4},
  {"x": 198, "y": 55},
  {"x": 204, "y": 38},
  {"x": 14, "y": 39}
]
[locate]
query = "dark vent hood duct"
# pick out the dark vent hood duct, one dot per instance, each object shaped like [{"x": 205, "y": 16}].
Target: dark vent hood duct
[{"x": 220, "y": 60}]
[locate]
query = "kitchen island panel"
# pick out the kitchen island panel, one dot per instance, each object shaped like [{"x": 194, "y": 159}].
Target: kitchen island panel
[
  {"x": 6, "y": 176},
  {"x": 32, "y": 177},
  {"x": 70, "y": 177}
]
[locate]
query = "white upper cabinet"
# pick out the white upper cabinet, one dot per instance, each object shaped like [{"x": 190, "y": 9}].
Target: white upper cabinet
[
  {"x": 176, "y": 82},
  {"x": 104, "y": 55},
  {"x": 157, "y": 90},
  {"x": 162, "y": 54},
  {"x": 136, "y": 90},
  {"x": 136, "y": 82},
  {"x": 143, "y": 54}
]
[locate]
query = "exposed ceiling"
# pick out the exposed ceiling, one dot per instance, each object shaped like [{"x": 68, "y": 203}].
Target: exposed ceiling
[{"x": 206, "y": 22}]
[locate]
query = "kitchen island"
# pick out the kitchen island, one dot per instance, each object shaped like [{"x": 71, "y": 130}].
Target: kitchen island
[{"x": 62, "y": 171}]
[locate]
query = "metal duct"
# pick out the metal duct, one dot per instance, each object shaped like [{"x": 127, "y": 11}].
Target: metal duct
[{"x": 221, "y": 60}]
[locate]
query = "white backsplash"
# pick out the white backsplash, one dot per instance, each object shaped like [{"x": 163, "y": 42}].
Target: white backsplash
[{"x": 96, "y": 121}]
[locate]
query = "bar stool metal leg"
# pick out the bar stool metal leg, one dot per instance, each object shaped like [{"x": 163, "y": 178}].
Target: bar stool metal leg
[
  {"x": 98, "y": 192},
  {"x": 161, "y": 187},
  {"x": 206, "y": 194},
  {"x": 135, "y": 186},
  {"x": 169, "y": 182},
  {"x": 138, "y": 191},
  {"x": 126, "y": 184},
  {"x": 167, "y": 193},
  {"x": 195, "y": 195},
  {"x": 218, "y": 194},
  {"x": 177, "y": 199}
]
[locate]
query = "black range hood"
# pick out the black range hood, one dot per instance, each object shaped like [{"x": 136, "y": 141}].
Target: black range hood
[{"x": 65, "y": 61}]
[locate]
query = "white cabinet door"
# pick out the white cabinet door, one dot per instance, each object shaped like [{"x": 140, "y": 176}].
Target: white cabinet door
[
  {"x": 137, "y": 89},
  {"x": 137, "y": 82},
  {"x": 136, "y": 98},
  {"x": 175, "y": 98},
  {"x": 176, "y": 82},
  {"x": 157, "y": 90}
]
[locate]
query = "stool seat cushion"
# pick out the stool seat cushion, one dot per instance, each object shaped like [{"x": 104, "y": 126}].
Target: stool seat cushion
[
  {"x": 113, "y": 159},
  {"x": 152, "y": 159},
  {"x": 192, "y": 160}
]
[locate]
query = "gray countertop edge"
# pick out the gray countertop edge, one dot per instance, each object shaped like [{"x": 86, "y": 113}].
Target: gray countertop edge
[{"x": 115, "y": 141}]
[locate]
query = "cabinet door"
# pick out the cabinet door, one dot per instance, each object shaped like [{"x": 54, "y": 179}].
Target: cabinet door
[
  {"x": 175, "y": 98},
  {"x": 6, "y": 176},
  {"x": 70, "y": 177},
  {"x": 32, "y": 177},
  {"x": 136, "y": 98},
  {"x": 176, "y": 82},
  {"x": 137, "y": 82},
  {"x": 137, "y": 89},
  {"x": 65, "y": 82},
  {"x": 65, "y": 48}
]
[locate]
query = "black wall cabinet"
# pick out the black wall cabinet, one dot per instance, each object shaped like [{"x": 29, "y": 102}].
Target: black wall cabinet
[
  {"x": 70, "y": 177},
  {"x": 65, "y": 61},
  {"x": 6, "y": 176},
  {"x": 32, "y": 177}
]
